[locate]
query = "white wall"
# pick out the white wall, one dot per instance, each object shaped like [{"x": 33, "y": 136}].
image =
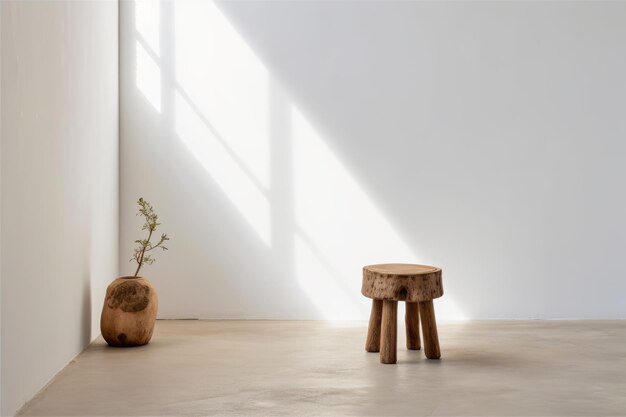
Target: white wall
[
  {"x": 0, "y": 213},
  {"x": 286, "y": 144},
  {"x": 59, "y": 184}
]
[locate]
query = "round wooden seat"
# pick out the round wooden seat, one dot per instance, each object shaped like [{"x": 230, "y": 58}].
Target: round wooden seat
[
  {"x": 402, "y": 282},
  {"x": 417, "y": 285}
]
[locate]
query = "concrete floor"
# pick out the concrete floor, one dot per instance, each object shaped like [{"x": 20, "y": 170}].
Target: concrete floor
[{"x": 193, "y": 368}]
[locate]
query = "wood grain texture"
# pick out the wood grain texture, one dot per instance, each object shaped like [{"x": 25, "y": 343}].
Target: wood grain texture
[
  {"x": 412, "y": 321},
  {"x": 389, "y": 330},
  {"x": 402, "y": 282},
  {"x": 129, "y": 312},
  {"x": 372, "y": 343},
  {"x": 429, "y": 329}
]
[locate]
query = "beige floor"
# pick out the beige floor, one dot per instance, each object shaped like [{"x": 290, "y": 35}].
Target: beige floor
[{"x": 194, "y": 368}]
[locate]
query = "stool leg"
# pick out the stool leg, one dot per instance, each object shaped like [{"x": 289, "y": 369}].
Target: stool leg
[
  {"x": 389, "y": 330},
  {"x": 372, "y": 344},
  {"x": 412, "y": 321},
  {"x": 429, "y": 329}
]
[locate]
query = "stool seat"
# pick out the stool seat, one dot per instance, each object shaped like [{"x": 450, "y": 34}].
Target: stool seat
[
  {"x": 402, "y": 282},
  {"x": 417, "y": 285}
]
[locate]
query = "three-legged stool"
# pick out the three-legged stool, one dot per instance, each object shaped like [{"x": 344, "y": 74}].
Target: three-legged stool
[{"x": 417, "y": 285}]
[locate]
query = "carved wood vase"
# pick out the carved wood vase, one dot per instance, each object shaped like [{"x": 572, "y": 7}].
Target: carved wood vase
[{"x": 129, "y": 312}]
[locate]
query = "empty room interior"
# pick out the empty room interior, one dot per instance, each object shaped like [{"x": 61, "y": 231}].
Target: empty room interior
[{"x": 312, "y": 208}]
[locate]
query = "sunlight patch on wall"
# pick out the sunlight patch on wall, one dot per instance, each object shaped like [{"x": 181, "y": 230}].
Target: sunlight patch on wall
[
  {"x": 323, "y": 288},
  {"x": 147, "y": 23},
  {"x": 226, "y": 82},
  {"x": 148, "y": 77},
  {"x": 338, "y": 218},
  {"x": 446, "y": 308},
  {"x": 147, "y": 46},
  {"x": 223, "y": 168}
]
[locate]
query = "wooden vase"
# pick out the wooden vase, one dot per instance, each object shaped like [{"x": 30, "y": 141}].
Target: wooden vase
[{"x": 129, "y": 312}]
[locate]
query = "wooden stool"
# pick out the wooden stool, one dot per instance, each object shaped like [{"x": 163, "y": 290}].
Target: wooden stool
[{"x": 417, "y": 285}]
